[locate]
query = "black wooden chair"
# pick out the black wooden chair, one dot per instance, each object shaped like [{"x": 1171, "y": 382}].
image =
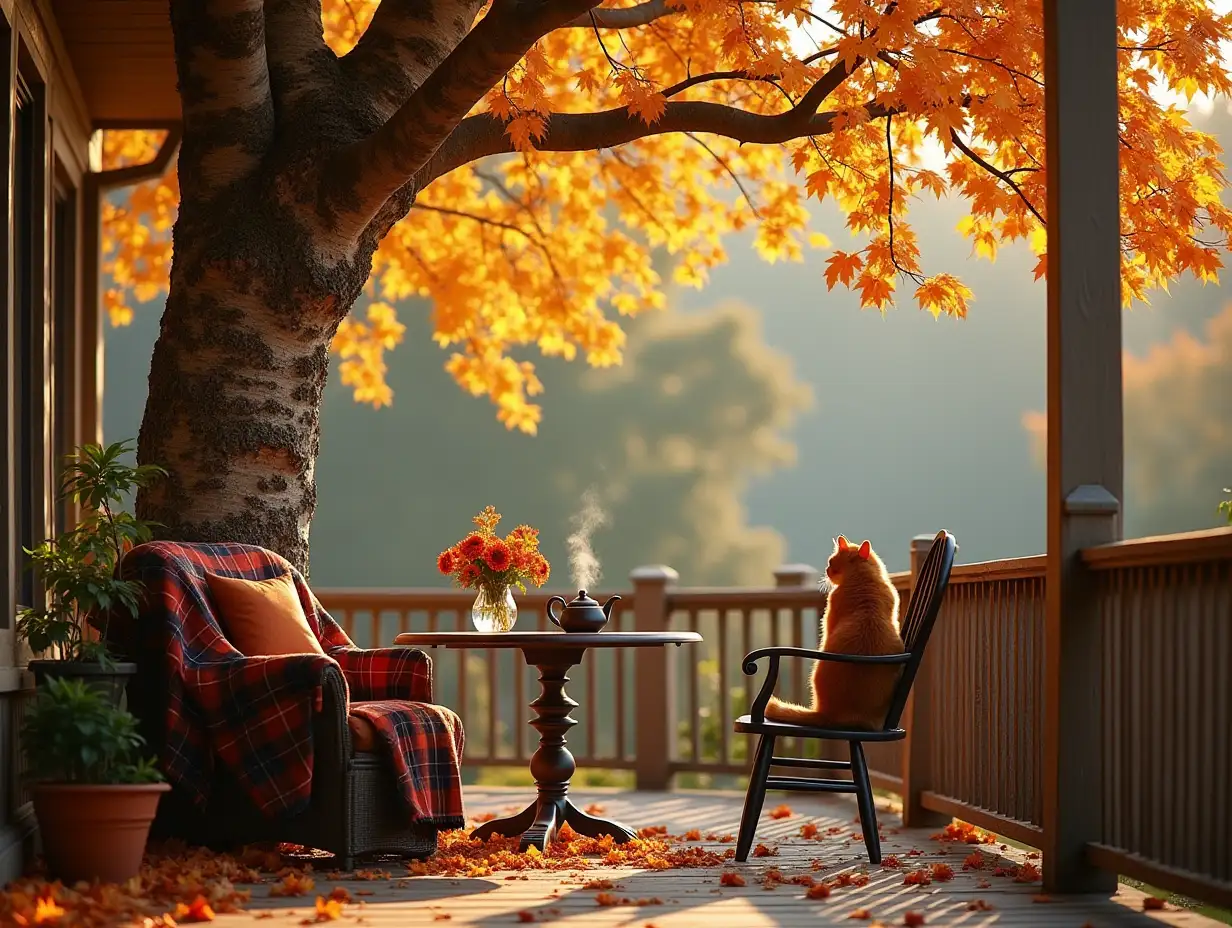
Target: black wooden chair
[{"x": 917, "y": 625}]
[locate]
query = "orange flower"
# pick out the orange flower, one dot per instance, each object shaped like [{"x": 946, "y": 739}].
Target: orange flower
[
  {"x": 497, "y": 555},
  {"x": 472, "y": 546},
  {"x": 468, "y": 575},
  {"x": 447, "y": 563}
]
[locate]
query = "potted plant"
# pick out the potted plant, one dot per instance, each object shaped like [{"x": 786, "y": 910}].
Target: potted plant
[
  {"x": 78, "y": 574},
  {"x": 94, "y": 795}
]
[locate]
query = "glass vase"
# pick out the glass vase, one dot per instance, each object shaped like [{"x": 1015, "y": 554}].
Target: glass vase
[{"x": 494, "y": 610}]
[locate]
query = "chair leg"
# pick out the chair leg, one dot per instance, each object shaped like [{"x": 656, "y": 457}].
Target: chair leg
[
  {"x": 864, "y": 797},
  {"x": 755, "y": 796}
]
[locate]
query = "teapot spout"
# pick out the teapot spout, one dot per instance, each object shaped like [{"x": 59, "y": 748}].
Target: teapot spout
[{"x": 607, "y": 607}]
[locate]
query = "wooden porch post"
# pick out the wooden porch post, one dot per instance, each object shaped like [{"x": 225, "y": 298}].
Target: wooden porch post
[
  {"x": 1084, "y": 418},
  {"x": 654, "y": 699}
]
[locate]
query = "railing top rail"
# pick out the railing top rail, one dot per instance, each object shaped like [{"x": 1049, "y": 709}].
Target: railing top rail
[
  {"x": 747, "y": 598},
  {"x": 1011, "y": 568},
  {"x": 392, "y": 598},
  {"x": 1184, "y": 548}
]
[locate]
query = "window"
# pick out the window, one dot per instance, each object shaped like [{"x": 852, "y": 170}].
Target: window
[{"x": 29, "y": 140}]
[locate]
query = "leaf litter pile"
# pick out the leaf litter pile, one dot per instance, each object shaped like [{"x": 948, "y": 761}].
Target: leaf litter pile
[{"x": 179, "y": 884}]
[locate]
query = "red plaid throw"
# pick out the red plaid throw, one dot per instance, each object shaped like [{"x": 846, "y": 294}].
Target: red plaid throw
[{"x": 254, "y": 714}]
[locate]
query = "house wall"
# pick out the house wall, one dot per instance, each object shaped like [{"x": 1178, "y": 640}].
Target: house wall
[{"x": 48, "y": 345}]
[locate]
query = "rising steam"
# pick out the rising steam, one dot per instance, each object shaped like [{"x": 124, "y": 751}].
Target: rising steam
[{"x": 582, "y": 561}]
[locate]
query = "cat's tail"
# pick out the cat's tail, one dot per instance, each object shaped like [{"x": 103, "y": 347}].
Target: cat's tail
[{"x": 779, "y": 711}]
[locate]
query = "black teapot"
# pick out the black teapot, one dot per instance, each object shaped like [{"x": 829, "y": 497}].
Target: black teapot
[{"x": 582, "y": 614}]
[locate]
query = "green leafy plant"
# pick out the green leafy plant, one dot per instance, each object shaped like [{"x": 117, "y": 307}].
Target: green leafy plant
[
  {"x": 73, "y": 734},
  {"x": 78, "y": 569},
  {"x": 1226, "y": 506}
]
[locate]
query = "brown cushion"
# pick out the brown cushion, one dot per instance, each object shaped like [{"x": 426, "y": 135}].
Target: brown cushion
[
  {"x": 363, "y": 734},
  {"x": 263, "y": 617}
]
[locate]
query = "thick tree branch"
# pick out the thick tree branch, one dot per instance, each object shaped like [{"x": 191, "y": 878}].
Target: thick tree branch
[
  {"x": 404, "y": 43},
  {"x": 364, "y": 175},
  {"x": 624, "y": 17},
  {"x": 224, "y": 90},
  {"x": 296, "y": 49},
  {"x": 483, "y": 135}
]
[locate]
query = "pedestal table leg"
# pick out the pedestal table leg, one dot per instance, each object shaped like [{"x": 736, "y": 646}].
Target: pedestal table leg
[{"x": 552, "y": 765}]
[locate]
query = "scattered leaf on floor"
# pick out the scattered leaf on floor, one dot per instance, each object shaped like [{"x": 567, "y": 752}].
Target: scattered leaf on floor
[
  {"x": 1152, "y": 904},
  {"x": 197, "y": 911},
  {"x": 808, "y": 830},
  {"x": 912, "y": 919},
  {"x": 861, "y": 914},
  {"x": 762, "y": 851},
  {"x": 731, "y": 878},
  {"x": 818, "y": 891},
  {"x": 942, "y": 873},
  {"x": 783, "y": 811},
  {"x": 919, "y": 877}
]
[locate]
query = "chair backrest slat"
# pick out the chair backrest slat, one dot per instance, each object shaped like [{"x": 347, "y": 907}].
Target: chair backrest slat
[{"x": 921, "y": 614}]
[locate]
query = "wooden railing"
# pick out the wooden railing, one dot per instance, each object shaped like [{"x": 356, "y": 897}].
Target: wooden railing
[
  {"x": 1165, "y": 614},
  {"x": 976, "y": 742}
]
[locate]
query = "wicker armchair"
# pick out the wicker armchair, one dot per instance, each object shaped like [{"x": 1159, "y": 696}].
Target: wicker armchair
[{"x": 351, "y": 803}]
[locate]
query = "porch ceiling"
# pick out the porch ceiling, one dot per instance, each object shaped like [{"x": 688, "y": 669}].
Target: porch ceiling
[{"x": 121, "y": 52}]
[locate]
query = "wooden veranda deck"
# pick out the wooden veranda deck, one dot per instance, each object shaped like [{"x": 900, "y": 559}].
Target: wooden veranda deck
[{"x": 696, "y": 897}]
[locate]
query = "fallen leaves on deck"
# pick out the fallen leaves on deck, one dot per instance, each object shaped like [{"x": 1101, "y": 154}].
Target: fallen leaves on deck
[
  {"x": 965, "y": 833},
  {"x": 1152, "y": 904},
  {"x": 608, "y": 899},
  {"x": 460, "y": 855},
  {"x": 783, "y": 811}
]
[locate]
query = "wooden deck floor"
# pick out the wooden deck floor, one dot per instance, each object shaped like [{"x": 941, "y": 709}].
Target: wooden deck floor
[{"x": 696, "y": 897}]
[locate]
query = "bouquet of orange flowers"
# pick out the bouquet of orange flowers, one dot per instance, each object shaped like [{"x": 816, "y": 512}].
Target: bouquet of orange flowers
[{"x": 484, "y": 559}]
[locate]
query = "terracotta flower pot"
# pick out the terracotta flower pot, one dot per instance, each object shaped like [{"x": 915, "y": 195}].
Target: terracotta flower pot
[{"x": 95, "y": 831}]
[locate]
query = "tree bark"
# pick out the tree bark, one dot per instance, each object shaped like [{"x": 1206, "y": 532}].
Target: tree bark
[{"x": 233, "y": 411}]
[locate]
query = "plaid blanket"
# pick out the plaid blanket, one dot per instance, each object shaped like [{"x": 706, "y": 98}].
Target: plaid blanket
[{"x": 254, "y": 714}]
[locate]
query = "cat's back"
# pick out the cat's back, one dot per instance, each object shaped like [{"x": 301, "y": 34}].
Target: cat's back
[{"x": 862, "y": 617}]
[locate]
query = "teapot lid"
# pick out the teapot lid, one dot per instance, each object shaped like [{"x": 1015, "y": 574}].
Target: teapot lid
[{"x": 582, "y": 600}]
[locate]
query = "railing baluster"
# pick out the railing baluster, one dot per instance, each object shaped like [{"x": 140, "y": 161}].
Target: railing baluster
[
  {"x": 694, "y": 728},
  {"x": 724, "y": 696}
]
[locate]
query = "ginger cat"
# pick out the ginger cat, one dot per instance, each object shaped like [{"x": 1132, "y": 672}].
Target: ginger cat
[{"x": 861, "y": 618}]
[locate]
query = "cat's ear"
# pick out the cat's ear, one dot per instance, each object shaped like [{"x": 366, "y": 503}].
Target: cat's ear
[
  {"x": 842, "y": 543},
  {"x": 866, "y": 551}
]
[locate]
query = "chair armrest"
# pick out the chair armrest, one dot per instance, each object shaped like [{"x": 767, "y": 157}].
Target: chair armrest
[
  {"x": 385, "y": 673},
  {"x": 758, "y": 710}
]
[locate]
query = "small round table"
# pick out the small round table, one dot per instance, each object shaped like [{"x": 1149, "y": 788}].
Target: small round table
[{"x": 552, "y": 766}]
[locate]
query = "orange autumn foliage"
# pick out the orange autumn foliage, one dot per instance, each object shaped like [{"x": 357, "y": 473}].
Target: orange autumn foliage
[{"x": 547, "y": 250}]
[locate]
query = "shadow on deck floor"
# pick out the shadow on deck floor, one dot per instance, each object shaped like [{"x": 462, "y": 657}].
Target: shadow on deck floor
[{"x": 696, "y": 897}]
